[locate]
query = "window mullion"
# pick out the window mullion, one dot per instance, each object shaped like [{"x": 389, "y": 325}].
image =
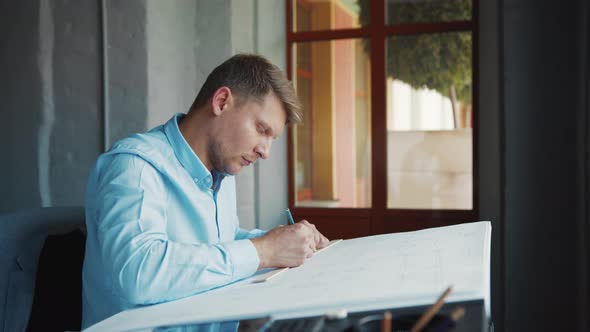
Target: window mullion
[{"x": 378, "y": 116}]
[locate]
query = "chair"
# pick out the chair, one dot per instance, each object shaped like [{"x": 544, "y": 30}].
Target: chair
[{"x": 41, "y": 254}]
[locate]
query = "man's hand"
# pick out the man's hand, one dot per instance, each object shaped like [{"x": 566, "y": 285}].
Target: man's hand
[{"x": 289, "y": 246}]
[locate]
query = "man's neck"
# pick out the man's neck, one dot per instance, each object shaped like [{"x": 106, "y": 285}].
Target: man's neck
[{"x": 193, "y": 128}]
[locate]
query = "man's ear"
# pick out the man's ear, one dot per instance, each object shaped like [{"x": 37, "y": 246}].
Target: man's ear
[{"x": 221, "y": 100}]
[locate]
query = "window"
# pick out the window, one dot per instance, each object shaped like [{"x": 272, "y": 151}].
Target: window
[{"x": 388, "y": 138}]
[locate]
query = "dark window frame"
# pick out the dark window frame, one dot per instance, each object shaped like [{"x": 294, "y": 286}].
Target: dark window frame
[{"x": 354, "y": 222}]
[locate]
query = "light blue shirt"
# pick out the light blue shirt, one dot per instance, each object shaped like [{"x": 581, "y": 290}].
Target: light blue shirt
[{"x": 157, "y": 231}]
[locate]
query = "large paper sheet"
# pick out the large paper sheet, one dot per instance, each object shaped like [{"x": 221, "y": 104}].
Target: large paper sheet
[{"x": 391, "y": 270}]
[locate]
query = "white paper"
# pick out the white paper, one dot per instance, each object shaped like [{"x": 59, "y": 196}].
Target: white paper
[{"x": 390, "y": 270}]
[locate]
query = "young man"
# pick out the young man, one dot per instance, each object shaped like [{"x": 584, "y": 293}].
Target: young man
[{"x": 161, "y": 206}]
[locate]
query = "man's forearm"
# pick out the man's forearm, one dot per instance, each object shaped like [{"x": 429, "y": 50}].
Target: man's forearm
[{"x": 159, "y": 271}]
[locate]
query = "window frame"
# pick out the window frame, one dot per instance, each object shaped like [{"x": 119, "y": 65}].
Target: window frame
[{"x": 379, "y": 219}]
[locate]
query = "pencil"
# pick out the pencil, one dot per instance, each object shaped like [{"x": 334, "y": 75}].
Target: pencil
[
  {"x": 386, "y": 322},
  {"x": 428, "y": 314},
  {"x": 291, "y": 221}
]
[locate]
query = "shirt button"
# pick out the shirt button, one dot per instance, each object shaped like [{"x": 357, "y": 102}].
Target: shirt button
[{"x": 196, "y": 180}]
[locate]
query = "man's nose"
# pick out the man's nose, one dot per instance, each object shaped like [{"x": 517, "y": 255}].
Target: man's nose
[{"x": 263, "y": 149}]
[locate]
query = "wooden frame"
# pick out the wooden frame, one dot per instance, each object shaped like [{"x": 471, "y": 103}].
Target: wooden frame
[{"x": 353, "y": 222}]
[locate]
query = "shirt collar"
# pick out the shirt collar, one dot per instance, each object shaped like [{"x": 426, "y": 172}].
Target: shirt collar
[{"x": 185, "y": 154}]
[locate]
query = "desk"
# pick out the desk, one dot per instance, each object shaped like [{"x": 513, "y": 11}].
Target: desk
[{"x": 363, "y": 274}]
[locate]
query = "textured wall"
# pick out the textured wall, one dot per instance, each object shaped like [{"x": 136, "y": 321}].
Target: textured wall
[
  {"x": 50, "y": 88},
  {"x": 171, "y": 58},
  {"x": 155, "y": 58},
  {"x": 125, "y": 68},
  {"x": 20, "y": 88},
  {"x": 73, "y": 137}
]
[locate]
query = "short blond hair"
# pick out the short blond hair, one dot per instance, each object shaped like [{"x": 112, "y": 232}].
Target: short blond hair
[{"x": 251, "y": 76}]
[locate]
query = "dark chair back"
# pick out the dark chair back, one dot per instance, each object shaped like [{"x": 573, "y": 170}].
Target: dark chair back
[
  {"x": 23, "y": 236},
  {"x": 57, "y": 302}
]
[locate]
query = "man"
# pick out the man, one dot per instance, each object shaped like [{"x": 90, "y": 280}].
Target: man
[{"x": 161, "y": 206}]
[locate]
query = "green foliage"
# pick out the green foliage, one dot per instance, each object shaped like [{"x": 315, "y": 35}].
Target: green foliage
[
  {"x": 428, "y": 11},
  {"x": 433, "y": 61}
]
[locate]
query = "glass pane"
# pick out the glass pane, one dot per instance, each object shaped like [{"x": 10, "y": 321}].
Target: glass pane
[
  {"x": 332, "y": 148},
  {"x": 309, "y": 15},
  {"x": 429, "y": 127},
  {"x": 427, "y": 11}
]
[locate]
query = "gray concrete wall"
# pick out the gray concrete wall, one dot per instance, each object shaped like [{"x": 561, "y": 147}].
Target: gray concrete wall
[
  {"x": 20, "y": 88},
  {"x": 53, "y": 117},
  {"x": 50, "y": 88},
  {"x": 68, "y": 98},
  {"x": 171, "y": 32},
  {"x": 125, "y": 63},
  {"x": 71, "y": 90}
]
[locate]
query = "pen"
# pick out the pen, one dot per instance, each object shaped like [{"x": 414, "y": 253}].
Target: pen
[
  {"x": 430, "y": 312},
  {"x": 291, "y": 221}
]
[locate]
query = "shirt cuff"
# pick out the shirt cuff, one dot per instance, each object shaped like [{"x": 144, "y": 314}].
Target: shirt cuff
[
  {"x": 244, "y": 234},
  {"x": 244, "y": 258},
  {"x": 256, "y": 233}
]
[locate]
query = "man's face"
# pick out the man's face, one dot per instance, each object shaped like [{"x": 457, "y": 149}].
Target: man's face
[{"x": 245, "y": 133}]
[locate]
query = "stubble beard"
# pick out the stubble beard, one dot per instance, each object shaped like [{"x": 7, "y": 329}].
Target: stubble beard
[{"x": 217, "y": 153}]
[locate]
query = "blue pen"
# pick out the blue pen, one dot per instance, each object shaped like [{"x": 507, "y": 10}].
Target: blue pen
[{"x": 291, "y": 221}]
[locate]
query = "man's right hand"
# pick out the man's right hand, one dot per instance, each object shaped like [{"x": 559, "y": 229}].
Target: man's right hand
[{"x": 288, "y": 246}]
